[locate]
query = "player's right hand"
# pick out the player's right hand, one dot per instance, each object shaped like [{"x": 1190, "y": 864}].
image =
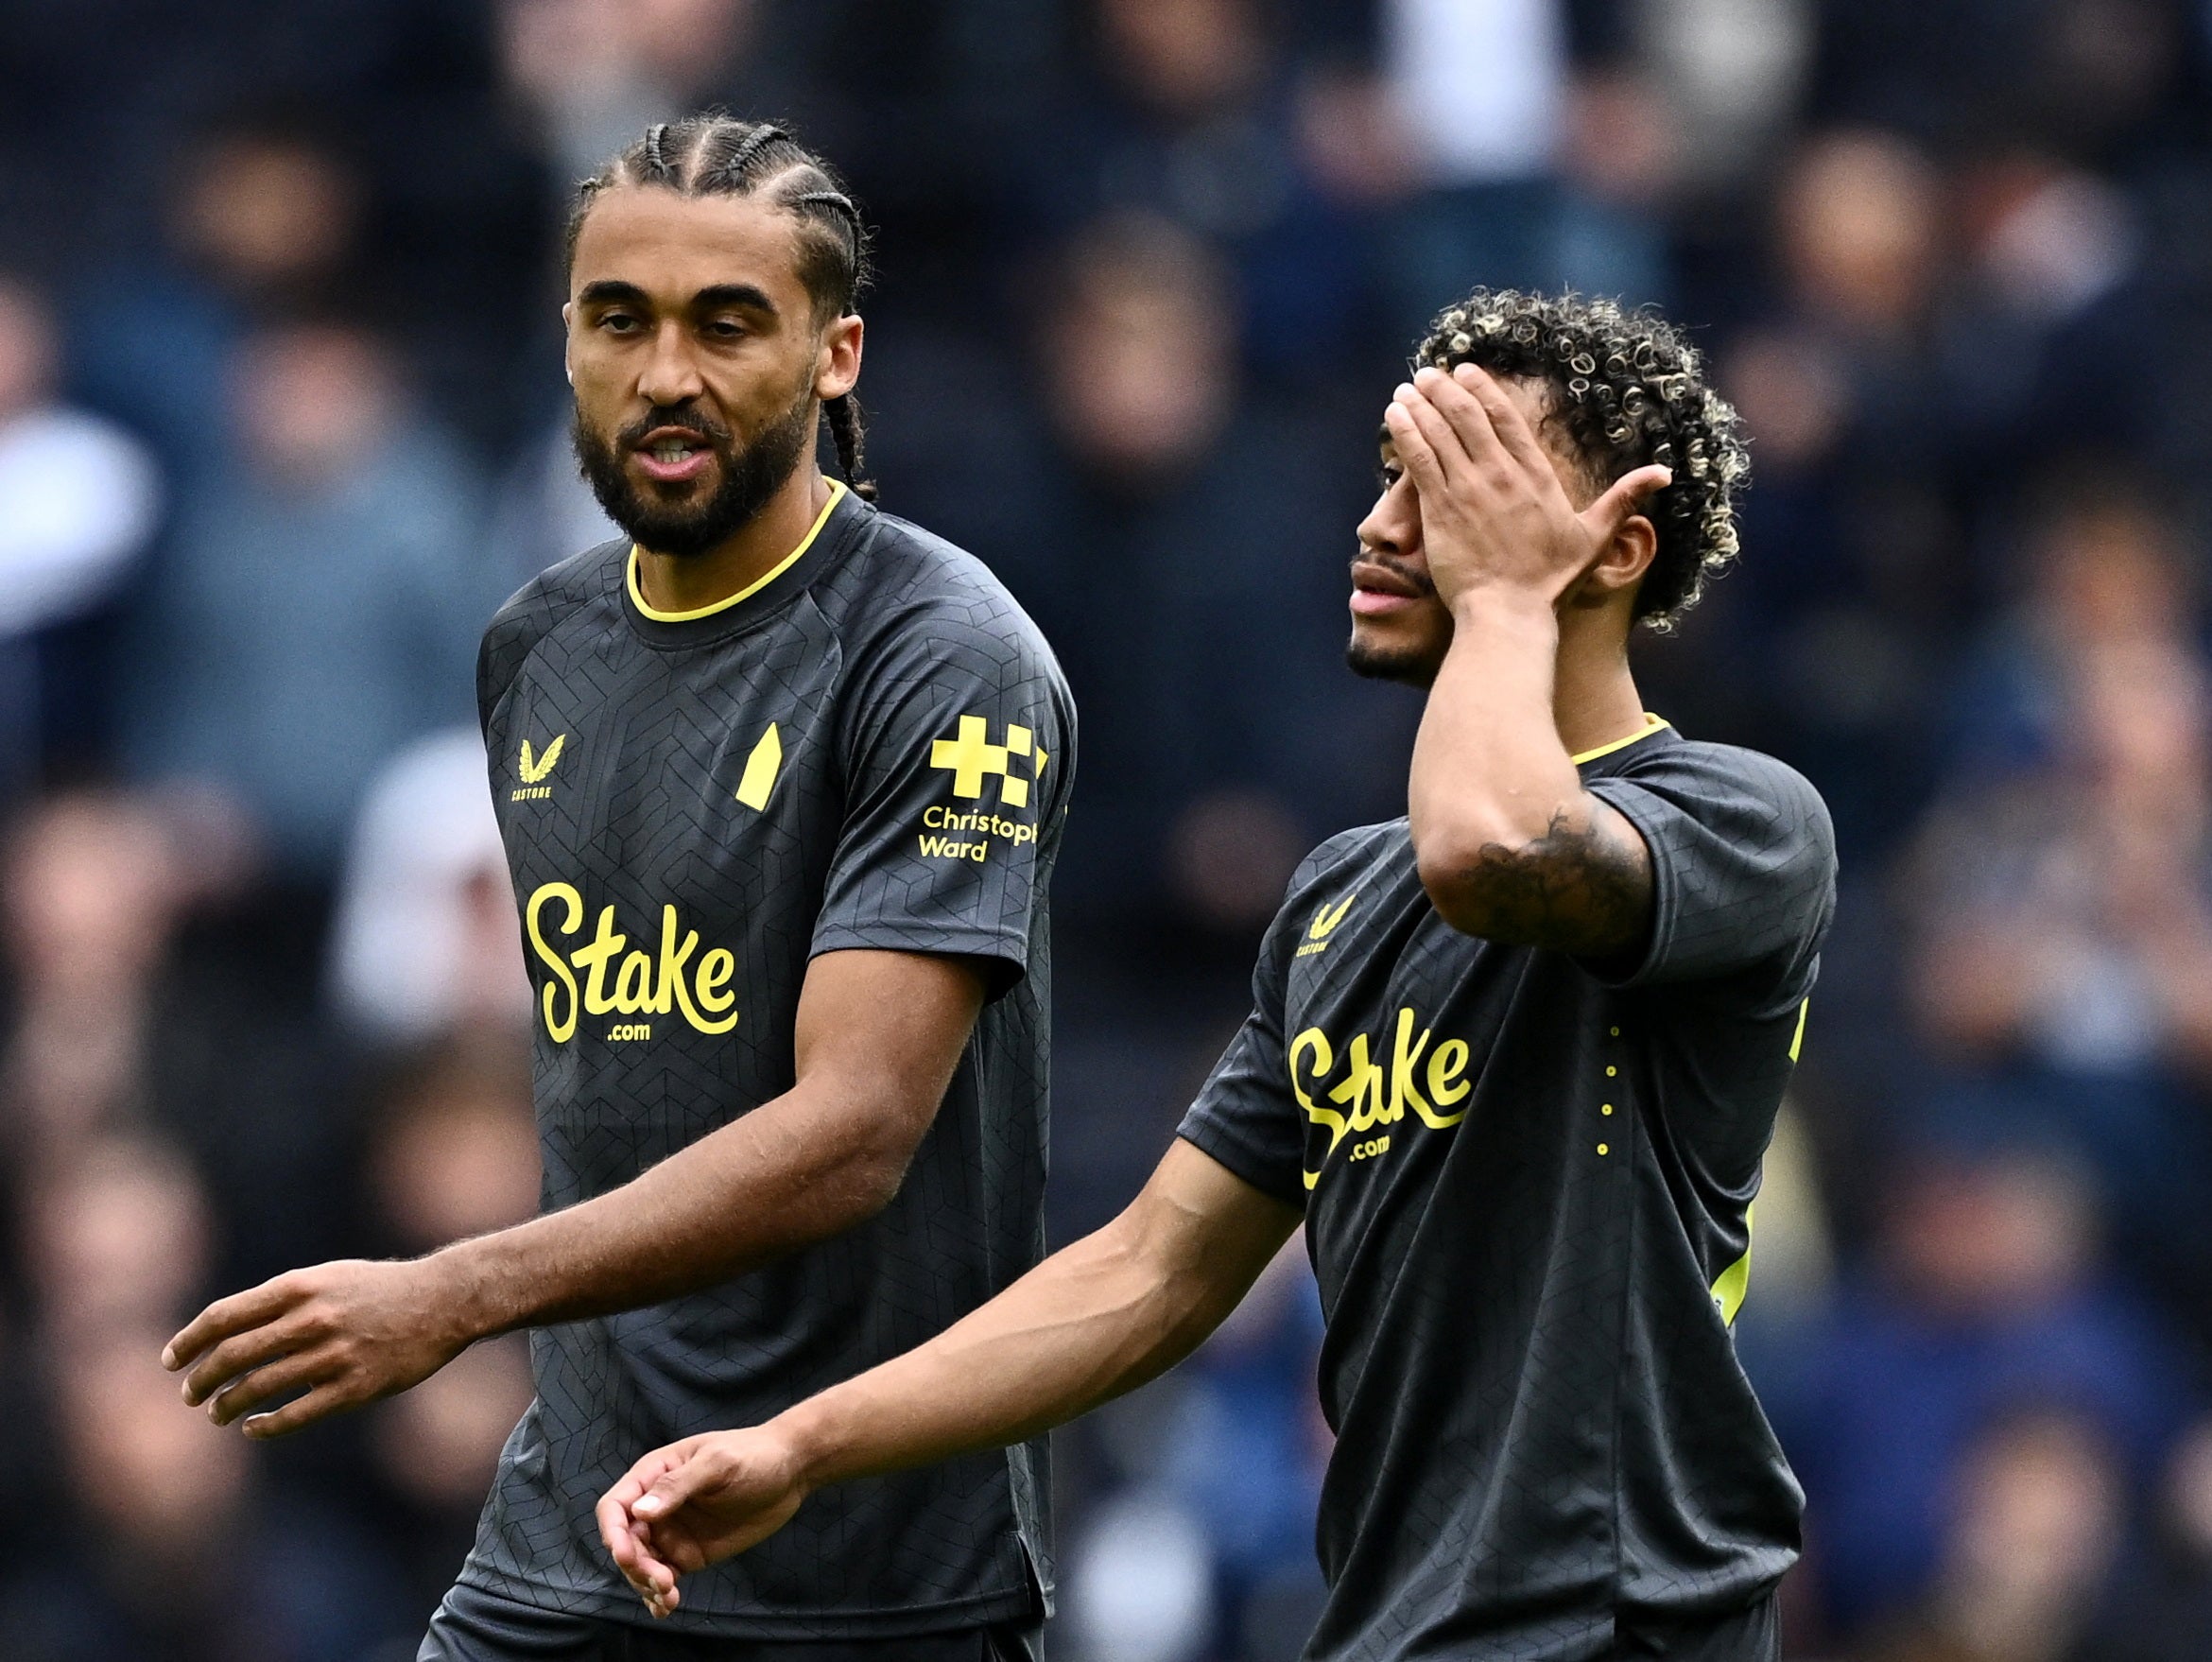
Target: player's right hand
[{"x": 697, "y": 1502}]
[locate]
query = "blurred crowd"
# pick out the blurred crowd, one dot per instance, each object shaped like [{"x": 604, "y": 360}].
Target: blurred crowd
[{"x": 282, "y": 422}]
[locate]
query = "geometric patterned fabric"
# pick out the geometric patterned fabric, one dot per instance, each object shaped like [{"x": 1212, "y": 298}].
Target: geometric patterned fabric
[
  {"x": 872, "y": 751},
  {"x": 1528, "y": 1183}
]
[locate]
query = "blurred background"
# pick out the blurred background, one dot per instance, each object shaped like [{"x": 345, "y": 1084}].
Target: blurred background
[{"x": 282, "y": 422}]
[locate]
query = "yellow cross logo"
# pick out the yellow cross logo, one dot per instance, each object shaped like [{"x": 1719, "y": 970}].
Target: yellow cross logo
[{"x": 973, "y": 757}]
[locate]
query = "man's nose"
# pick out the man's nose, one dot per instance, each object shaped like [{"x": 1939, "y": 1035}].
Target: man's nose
[{"x": 670, "y": 374}]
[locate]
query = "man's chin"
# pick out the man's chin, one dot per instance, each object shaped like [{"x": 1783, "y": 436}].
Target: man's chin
[{"x": 1406, "y": 663}]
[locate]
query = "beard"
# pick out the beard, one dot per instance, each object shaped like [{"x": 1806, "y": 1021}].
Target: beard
[
  {"x": 1410, "y": 663},
  {"x": 1406, "y": 666},
  {"x": 749, "y": 475}
]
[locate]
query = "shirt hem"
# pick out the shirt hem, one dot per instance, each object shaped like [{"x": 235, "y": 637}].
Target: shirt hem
[{"x": 896, "y": 1622}]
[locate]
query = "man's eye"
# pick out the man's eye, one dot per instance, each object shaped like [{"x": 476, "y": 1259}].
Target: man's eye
[
  {"x": 619, "y": 324},
  {"x": 1387, "y": 474},
  {"x": 724, "y": 329}
]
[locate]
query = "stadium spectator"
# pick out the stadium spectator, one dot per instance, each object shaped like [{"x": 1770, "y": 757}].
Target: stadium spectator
[
  {"x": 263, "y": 214},
  {"x": 171, "y": 1545},
  {"x": 1191, "y": 113},
  {"x": 320, "y": 603},
  {"x": 451, "y": 1153},
  {"x": 2066, "y": 918},
  {"x": 426, "y": 936},
  {"x": 1192, "y": 585},
  {"x": 454, "y": 1153},
  {"x": 591, "y": 74},
  {"x": 93, "y": 894},
  {"x": 1985, "y": 1298},
  {"x": 2034, "y": 1529},
  {"x": 79, "y": 502}
]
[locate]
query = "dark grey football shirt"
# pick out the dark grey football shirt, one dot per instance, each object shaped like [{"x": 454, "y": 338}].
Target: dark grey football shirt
[
  {"x": 871, "y": 748},
  {"x": 1527, "y": 1189}
]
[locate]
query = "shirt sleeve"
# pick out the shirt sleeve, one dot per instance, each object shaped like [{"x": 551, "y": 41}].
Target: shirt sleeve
[
  {"x": 961, "y": 745},
  {"x": 1245, "y": 1116},
  {"x": 1743, "y": 872}
]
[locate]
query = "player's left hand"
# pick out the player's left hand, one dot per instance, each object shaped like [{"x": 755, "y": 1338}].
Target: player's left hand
[
  {"x": 696, "y": 1504},
  {"x": 344, "y": 1333},
  {"x": 1492, "y": 510}
]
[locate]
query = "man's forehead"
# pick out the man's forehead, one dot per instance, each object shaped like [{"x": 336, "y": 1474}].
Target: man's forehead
[{"x": 670, "y": 245}]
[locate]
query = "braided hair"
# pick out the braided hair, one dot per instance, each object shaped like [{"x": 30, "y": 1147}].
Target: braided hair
[
  {"x": 1627, "y": 389},
  {"x": 713, "y": 155}
]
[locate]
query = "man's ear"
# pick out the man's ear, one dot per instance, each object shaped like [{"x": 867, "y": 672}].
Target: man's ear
[
  {"x": 837, "y": 368},
  {"x": 1621, "y": 567},
  {"x": 567, "y": 361}
]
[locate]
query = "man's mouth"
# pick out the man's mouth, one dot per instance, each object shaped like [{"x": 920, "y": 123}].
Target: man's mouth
[
  {"x": 671, "y": 455},
  {"x": 1377, "y": 591}
]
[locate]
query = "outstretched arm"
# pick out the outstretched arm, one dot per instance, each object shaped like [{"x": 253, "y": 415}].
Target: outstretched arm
[
  {"x": 1094, "y": 1320},
  {"x": 878, "y": 1035},
  {"x": 1509, "y": 845}
]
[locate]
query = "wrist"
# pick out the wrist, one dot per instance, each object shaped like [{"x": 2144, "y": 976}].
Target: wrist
[
  {"x": 811, "y": 1444},
  {"x": 1493, "y": 603},
  {"x": 461, "y": 1294}
]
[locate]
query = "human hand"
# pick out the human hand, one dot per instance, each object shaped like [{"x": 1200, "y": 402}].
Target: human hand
[
  {"x": 697, "y": 1502},
  {"x": 349, "y": 1332},
  {"x": 1493, "y": 512}
]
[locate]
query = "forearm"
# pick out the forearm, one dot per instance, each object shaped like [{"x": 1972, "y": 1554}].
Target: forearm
[
  {"x": 1095, "y": 1321},
  {"x": 1488, "y": 766},
  {"x": 778, "y": 1179}
]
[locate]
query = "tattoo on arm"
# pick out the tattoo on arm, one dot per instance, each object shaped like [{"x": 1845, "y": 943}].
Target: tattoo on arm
[{"x": 1585, "y": 888}]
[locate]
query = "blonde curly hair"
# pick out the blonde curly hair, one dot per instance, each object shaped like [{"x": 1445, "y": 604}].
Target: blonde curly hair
[{"x": 1627, "y": 389}]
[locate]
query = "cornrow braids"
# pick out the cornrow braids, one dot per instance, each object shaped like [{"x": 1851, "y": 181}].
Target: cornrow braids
[
  {"x": 713, "y": 155},
  {"x": 1628, "y": 389}
]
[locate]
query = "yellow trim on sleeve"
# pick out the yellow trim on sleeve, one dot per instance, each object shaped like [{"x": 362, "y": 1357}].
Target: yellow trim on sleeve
[
  {"x": 637, "y": 597},
  {"x": 1652, "y": 724}
]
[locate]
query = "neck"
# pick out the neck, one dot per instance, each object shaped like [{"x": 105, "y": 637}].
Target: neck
[
  {"x": 685, "y": 584},
  {"x": 1593, "y": 696}
]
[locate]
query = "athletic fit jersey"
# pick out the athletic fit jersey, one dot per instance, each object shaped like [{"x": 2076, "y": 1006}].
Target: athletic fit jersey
[
  {"x": 1527, "y": 1187},
  {"x": 869, "y": 748}
]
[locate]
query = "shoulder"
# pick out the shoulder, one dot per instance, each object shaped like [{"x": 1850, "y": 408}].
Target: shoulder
[
  {"x": 536, "y": 610},
  {"x": 904, "y": 591},
  {"x": 1348, "y": 851},
  {"x": 1726, "y": 776}
]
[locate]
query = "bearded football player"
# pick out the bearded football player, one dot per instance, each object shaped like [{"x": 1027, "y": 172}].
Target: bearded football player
[
  {"x": 1512, "y": 1062},
  {"x": 781, "y": 780}
]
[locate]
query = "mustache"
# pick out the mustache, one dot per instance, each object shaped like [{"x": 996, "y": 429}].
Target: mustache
[
  {"x": 1418, "y": 581},
  {"x": 688, "y": 416}
]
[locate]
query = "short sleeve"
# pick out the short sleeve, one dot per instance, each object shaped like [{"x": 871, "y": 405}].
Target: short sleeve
[
  {"x": 1245, "y": 1116},
  {"x": 960, "y": 743},
  {"x": 1743, "y": 871}
]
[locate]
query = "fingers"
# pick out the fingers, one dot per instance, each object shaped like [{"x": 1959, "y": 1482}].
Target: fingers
[
  {"x": 319, "y": 1403},
  {"x": 1625, "y": 499},
  {"x": 1469, "y": 388},
  {"x": 227, "y": 1316},
  {"x": 1415, "y": 451},
  {"x": 240, "y": 1355},
  {"x": 265, "y": 1384},
  {"x": 630, "y": 1545},
  {"x": 629, "y": 1540},
  {"x": 673, "y": 1487}
]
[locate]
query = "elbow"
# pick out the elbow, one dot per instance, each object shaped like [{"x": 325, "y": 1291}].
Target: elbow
[
  {"x": 1459, "y": 871},
  {"x": 866, "y": 1180}
]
